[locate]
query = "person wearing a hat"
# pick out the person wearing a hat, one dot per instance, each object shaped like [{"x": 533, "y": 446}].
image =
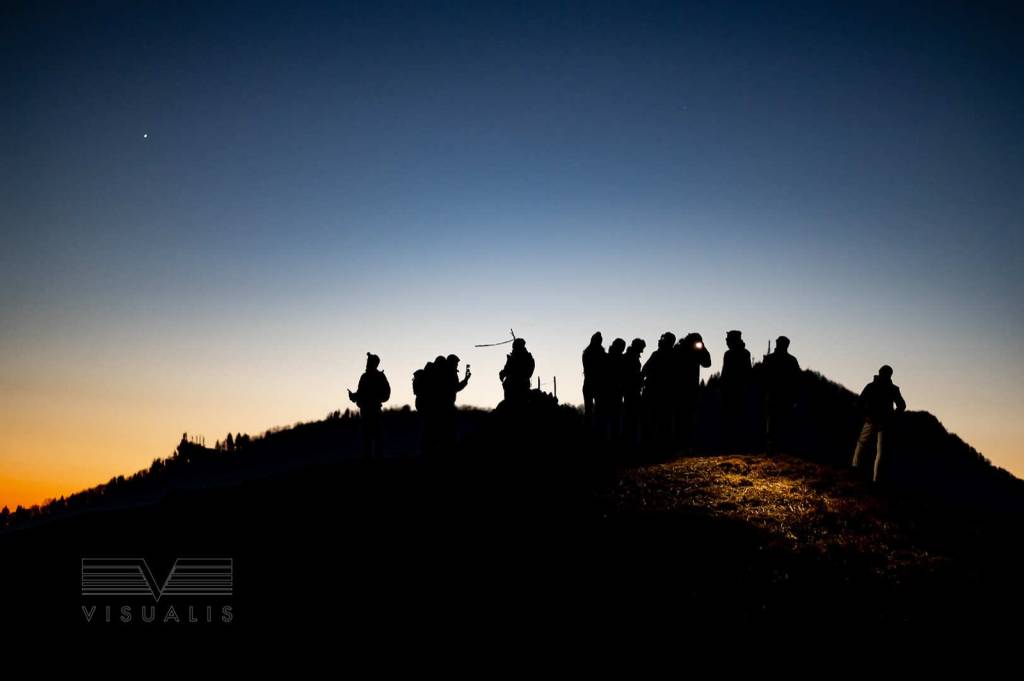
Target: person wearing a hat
[
  {"x": 735, "y": 391},
  {"x": 877, "y": 401},
  {"x": 373, "y": 391},
  {"x": 782, "y": 376}
]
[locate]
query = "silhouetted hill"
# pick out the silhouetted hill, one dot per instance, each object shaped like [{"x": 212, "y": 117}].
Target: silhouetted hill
[
  {"x": 531, "y": 517},
  {"x": 923, "y": 458}
]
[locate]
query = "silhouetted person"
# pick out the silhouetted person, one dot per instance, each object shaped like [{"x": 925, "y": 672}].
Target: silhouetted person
[
  {"x": 876, "y": 402},
  {"x": 449, "y": 388},
  {"x": 517, "y": 372},
  {"x": 610, "y": 391},
  {"x": 781, "y": 390},
  {"x": 658, "y": 379},
  {"x": 735, "y": 381},
  {"x": 689, "y": 356},
  {"x": 633, "y": 383},
  {"x": 593, "y": 375},
  {"x": 428, "y": 385},
  {"x": 420, "y": 387},
  {"x": 373, "y": 391},
  {"x": 453, "y": 386}
]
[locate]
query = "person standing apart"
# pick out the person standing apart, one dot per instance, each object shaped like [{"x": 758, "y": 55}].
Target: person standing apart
[
  {"x": 373, "y": 391},
  {"x": 880, "y": 401}
]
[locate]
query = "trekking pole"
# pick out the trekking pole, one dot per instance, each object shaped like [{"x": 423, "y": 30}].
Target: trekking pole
[{"x": 491, "y": 345}]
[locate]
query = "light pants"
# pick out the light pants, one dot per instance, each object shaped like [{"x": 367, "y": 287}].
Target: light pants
[{"x": 870, "y": 428}]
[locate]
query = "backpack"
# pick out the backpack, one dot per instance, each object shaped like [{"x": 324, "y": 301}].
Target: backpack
[{"x": 420, "y": 378}]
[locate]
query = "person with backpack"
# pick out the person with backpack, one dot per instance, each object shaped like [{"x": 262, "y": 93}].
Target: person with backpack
[
  {"x": 516, "y": 374},
  {"x": 428, "y": 385},
  {"x": 373, "y": 391}
]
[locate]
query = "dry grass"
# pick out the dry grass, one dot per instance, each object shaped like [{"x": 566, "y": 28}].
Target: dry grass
[{"x": 796, "y": 505}]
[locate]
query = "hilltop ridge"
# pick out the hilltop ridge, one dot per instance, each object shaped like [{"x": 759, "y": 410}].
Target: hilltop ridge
[{"x": 540, "y": 514}]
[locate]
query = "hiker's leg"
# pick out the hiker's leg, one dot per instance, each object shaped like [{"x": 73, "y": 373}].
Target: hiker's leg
[
  {"x": 371, "y": 433},
  {"x": 878, "y": 454},
  {"x": 364, "y": 433},
  {"x": 588, "y": 405},
  {"x": 865, "y": 435}
]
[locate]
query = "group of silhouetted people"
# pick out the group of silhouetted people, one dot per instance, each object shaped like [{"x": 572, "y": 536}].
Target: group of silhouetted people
[
  {"x": 612, "y": 386},
  {"x": 435, "y": 388},
  {"x": 628, "y": 401},
  {"x": 657, "y": 401}
]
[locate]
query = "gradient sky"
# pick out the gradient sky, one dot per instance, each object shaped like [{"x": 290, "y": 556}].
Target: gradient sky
[{"x": 412, "y": 179}]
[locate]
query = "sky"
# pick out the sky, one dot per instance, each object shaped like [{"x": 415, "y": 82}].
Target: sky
[{"x": 212, "y": 211}]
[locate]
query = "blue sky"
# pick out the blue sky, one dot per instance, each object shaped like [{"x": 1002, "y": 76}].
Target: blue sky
[{"x": 320, "y": 180}]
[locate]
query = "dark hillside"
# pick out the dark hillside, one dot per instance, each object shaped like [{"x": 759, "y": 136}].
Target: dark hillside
[{"x": 531, "y": 515}]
